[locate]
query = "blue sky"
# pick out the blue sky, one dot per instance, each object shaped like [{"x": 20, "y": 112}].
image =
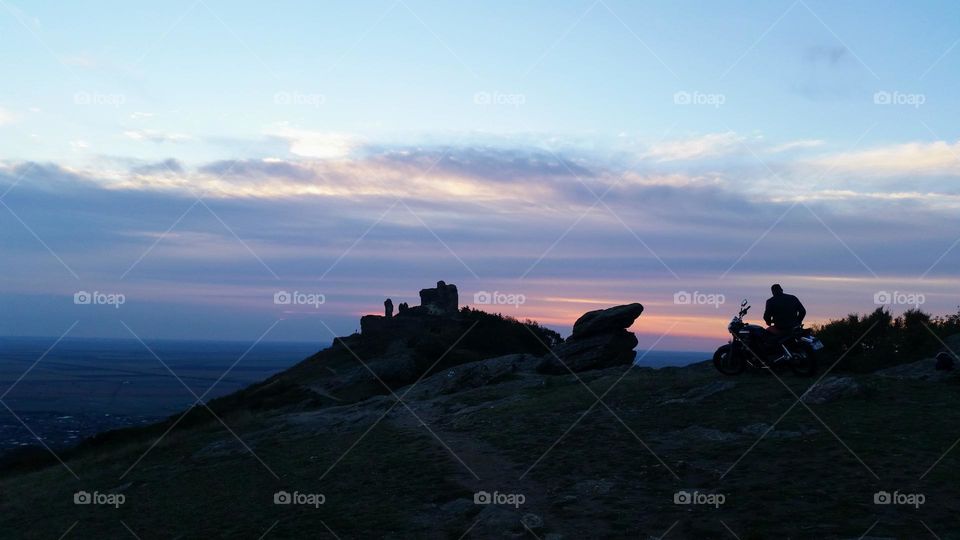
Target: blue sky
[{"x": 366, "y": 149}]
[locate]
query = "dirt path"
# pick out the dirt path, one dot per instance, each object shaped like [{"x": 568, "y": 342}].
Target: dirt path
[{"x": 481, "y": 467}]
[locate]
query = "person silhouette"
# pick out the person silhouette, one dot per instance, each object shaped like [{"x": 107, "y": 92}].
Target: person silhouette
[
  {"x": 388, "y": 308},
  {"x": 783, "y": 311}
]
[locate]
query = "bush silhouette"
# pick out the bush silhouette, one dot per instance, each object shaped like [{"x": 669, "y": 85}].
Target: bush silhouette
[{"x": 877, "y": 340}]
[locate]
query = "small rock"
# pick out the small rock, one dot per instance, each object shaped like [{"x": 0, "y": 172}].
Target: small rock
[
  {"x": 594, "y": 487},
  {"x": 496, "y": 520},
  {"x": 701, "y": 392},
  {"x": 459, "y": 507},
  {"x": 761, "y": 428},
  {"x": 702, "y": 433},
  {"x": 532, "y": 521}
]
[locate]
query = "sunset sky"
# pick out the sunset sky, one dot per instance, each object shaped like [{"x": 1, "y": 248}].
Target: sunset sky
[{"x": 198, "y": 157}]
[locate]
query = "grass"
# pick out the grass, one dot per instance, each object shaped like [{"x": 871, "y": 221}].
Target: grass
[
  {"x": 174, "y": 493},
  {"x": 199, "y": 482}
]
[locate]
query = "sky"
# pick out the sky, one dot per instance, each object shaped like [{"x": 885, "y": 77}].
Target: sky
[{"x": 180, "y": 169}]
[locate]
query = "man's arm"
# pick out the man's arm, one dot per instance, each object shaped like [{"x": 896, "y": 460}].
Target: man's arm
[
  {"x": 801, "y": 311},
  {"x": 767, "y": 314}
]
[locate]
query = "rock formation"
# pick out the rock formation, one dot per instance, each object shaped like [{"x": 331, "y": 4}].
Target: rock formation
[
  {"x": 600, "y": 339},
  {"x": 447, "y": 350},
  {"x": 442, "y": 300}
]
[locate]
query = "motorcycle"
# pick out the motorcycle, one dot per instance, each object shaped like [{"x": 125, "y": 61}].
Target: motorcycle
[{"x": 754, "y": 346}]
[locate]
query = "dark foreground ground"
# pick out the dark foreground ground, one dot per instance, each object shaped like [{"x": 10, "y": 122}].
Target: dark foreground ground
[{"x": 605, "y": 454}]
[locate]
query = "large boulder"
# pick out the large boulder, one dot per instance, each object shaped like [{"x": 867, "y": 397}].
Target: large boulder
[
  {"x": 599, "y": 340},
  {"x": 594, "y": 352},
  {"x": 606, "y": 320}
]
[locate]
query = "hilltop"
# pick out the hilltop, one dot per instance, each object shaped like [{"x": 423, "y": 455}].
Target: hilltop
[{"x": 446, "y": 422}]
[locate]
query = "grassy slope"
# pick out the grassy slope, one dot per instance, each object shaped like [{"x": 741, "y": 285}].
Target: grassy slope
[{"x": 805, "y": 487}]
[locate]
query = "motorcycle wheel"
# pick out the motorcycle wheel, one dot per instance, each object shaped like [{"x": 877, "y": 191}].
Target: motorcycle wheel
[
  {"x": 728, "y": 363},
  {"x": 804, "y": 361}
]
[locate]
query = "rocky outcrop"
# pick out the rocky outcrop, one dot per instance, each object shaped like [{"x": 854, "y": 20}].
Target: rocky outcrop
[
  {"x": 600, "y": 339},
  {"x": 474, "y": 375},
  {"x": 454, "y": 350},
  {"x": 437, "y": 305},
  {"x": 606, "y": 320},
  {"x": 441, "y": 300},
  {"x": 921, "y": 370},
  {"x": 832, "y": 389}
]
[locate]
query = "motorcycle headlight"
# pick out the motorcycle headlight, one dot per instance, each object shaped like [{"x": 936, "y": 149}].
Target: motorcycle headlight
[{"x": 733, "y": 325}]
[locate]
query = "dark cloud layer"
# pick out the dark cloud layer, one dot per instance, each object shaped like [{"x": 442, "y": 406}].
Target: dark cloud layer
[{"x": 651, "y": 231}]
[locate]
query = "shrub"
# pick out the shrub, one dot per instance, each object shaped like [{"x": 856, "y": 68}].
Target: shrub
[{"x": 868, "y": 342}]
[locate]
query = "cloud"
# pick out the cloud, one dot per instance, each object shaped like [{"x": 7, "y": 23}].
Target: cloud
[
  {"x": 921, "y": 158},
  {"x": 497, "y": 210},
  {"x": 710, "y": 145},
  {"x": 831, "y": 55},
  {"x": 315, "y": 144},
  {"x": 155, "y": 136},
  {"x": 167, "y": 166},
  {"x": 6, "y": 117},
  {"x": 796, "y": 145},
  {"x": 81, "y": 60}
]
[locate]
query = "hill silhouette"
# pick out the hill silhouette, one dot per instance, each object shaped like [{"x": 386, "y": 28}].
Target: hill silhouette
[{"x": 448, "y": 422}]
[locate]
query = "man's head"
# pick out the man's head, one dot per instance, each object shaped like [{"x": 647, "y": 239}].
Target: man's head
[{"x": 776, "y": 289}]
